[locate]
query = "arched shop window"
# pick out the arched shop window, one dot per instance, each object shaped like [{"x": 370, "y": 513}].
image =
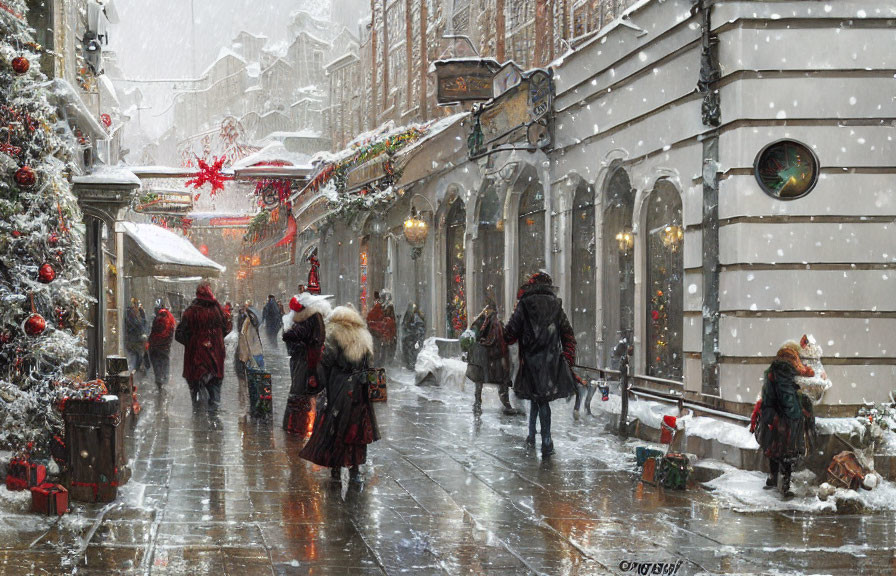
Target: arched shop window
[
  {"x": 372, "y": 261},
  {"x": 530, "y": 232},
  {"x": 665, "y": 281},
  {"x": 490, "y": 248},
  {"x": 455, "y": 225},
  {"x": 584, "y": 279},
  {"x": 618, "y": 259}
]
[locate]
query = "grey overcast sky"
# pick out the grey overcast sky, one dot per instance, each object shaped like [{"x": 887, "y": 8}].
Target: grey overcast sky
[{"x": 154, "y": 37}]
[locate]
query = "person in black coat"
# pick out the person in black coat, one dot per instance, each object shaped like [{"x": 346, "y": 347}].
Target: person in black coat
[
  {"x": 347, "y": 425},
  {"x": 413, "y": 328},
  {"x": 488, "y": 361},
  {"x": 547, "y": 347},
  {"x": 304, "y": 341}
]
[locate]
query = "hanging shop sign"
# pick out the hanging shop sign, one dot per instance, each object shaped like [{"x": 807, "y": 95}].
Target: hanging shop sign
[
  {"x": 464, "y": 79},
  {"x": 519, "y": 115},
  {"x": 164, "y": 202}
]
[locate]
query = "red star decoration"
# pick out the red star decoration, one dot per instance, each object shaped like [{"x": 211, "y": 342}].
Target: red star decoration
[{"x": 209, "y": 174}]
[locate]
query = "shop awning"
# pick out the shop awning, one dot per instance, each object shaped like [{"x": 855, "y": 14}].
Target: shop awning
[{"x": 155, "y": 251}]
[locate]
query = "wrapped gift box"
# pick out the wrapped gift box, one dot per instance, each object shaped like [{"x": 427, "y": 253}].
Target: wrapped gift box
[
  {"x": 22, "y": 474},
  {"x": 49, "y": 499}
]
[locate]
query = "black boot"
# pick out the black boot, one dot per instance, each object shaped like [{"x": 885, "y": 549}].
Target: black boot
[
  {"x": 354, "y": 475},
  {"x": 544, "y": 417},
  {"x": 477, "y": 403},
  {"x": 336, "y": 474},
  {"x": 772, "y": 482},
  {"x": 786, "y": 470},
  {"x": 504, "y": 394}
]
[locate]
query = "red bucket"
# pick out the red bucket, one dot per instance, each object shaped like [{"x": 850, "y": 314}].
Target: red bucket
[{"x": 667, "y": 429}]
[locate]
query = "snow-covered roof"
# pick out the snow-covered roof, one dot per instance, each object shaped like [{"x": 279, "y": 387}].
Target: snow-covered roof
[
  {"x": 160, "y": 252},
  {"x": 281, "y": 135},
  {"x": 163, "y": 171},
  {"x": 345, "y": 59},
  {"x": 108, "y": 175},
  {"x": 273, "y": 152},
  {"x": 253, "y": 70},
  {"x": 277, "y": 49},
  {"x": 433, "y": 129},
  {"x": 223, "y": 54}
]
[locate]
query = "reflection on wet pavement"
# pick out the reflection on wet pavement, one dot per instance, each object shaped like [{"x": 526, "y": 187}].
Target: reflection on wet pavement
[{"x": 444, "y": 494}]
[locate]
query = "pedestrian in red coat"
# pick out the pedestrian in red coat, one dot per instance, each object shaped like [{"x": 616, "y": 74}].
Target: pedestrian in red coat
[
  {"x": 201, "y": 330},
  {"x": 160, "y": 337}
]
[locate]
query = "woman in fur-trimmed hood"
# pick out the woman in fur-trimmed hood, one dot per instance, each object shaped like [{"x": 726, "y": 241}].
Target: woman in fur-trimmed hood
[
  {"x": 304, "y": 334},
  {"x": 348, "y": 424}
]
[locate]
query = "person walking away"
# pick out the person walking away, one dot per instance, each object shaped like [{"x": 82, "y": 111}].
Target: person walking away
[
  {"x": 343, "y": 430},
  {"x": 547, "y": 346},
  {"x": 135, "y": 335},
  {"x": 390, "y": 333},
  {"x": 780, "y": 426},
  {"x": 160, "y": 338},
  {"x": 239, "y": 367},
  {"x": 375, "y": 324},
  {"x": 249, "y": 347},
  {"x": 413, "y": 331},
  {"x": 304, "y": 340},
  {"x": 489, "y": 360},
  {"x": 201, "y": 331},
  {"x": 272, "y": 318}
]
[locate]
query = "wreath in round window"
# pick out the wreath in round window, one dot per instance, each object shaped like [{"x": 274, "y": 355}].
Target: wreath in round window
[{"x": 786, "y": 170}]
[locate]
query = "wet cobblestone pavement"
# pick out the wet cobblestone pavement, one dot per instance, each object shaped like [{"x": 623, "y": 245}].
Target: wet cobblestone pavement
[{"x": 444, "y": 494}]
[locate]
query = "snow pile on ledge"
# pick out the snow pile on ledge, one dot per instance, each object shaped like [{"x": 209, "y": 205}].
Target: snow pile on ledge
[
  {"x": 651, "y": 414},
  {"x": 120, "y": 175},
  {"x": 446, "y": 371},
  {"x": 726, "y": 433},
  {"x": 743, "y": 491}
]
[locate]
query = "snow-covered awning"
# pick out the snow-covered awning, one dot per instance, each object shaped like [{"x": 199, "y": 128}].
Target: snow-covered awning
[{"x": 159, "y": 252}]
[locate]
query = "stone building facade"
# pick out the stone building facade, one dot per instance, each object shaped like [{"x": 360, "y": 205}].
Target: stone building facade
[{"x": 693, "y": 199}]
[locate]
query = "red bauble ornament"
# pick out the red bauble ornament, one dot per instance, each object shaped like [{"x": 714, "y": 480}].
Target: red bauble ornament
[
  {"x": 203, "y": 249},
  {"x": 35, "y": 325},
  {"x": 25, "y": 177},
  {"x": 16, "y": 233},
  {"x": 46, "y": 274},
  {"x": 20, "y": 64},
  {"x": 5, "y": 337},
  {"x": 53, "y": 239},
  {"x": 106, "y": 120}
]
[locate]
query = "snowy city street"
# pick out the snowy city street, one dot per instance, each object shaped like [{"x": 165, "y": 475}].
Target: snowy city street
[
  {"x": 412, "y": 287},
  {"x": 444, "y": 493}
]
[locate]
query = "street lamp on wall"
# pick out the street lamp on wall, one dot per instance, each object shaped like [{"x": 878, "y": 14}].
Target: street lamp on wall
[
  {"x": 415, "y": 231},
  {"x": 672, "y": 237},
  {"x": 625, "y": 239}
]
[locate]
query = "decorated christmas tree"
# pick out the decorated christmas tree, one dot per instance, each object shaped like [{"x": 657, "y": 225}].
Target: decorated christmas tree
[{"x": 42, "y": 274}]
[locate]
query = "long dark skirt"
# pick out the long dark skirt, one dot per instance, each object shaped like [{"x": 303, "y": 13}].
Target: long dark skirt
[{"x": 342, "y": 432}]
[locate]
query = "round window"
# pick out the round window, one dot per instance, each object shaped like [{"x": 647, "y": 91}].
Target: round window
[{"x": 786, "y": 170}]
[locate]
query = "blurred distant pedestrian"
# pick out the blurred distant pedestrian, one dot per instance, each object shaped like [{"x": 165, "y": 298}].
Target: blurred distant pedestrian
[
  {"x": 413, "y": 327},
  {"x": 160, "y": 337},
  {"x": 272, "y": 317},
  {"x": 135, "y": 335}
]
